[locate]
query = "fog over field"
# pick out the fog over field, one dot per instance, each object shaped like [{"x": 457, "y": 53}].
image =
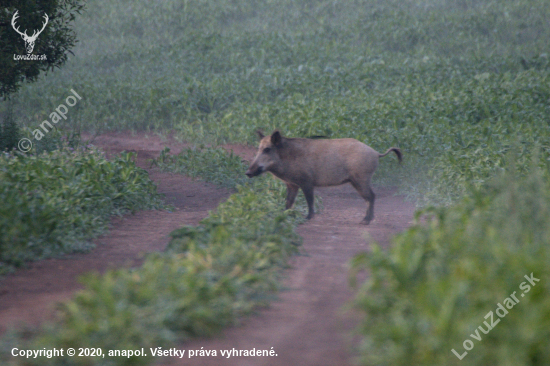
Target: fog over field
[{"x": 458, "y": 81}]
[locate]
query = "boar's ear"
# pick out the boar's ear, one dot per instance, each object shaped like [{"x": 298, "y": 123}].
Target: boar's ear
[
  {"x": 260, "y": 134},
  {"x": 276, "y": 138}
]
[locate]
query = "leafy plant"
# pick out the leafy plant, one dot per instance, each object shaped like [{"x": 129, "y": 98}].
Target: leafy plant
[
  {"x": 440, "y": 279},
  {"x": 9, "y": 130},
  {"x": 209, "y": 277},
  {"x": 453, "y": 84},
  {"x": 211, "y": 164},
  {"x": 53, "y": 203}
]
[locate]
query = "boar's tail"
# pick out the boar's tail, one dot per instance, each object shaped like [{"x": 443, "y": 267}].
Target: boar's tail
[{"x": 396, "y": 151}]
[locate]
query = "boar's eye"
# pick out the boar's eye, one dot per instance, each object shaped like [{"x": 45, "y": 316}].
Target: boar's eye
[{"x": 267, "y": 150}]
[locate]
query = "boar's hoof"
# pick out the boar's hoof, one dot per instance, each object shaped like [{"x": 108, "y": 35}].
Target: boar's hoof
[{"x": 365, "y": 221}]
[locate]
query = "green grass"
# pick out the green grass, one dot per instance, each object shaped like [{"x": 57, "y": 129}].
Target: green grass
[
  {"x": 209, "y": 277},
  {"x": 55, "y": 202},
  {"x": 440, "y": 279},
  {"x": 210, "y": 164},
  {"x": 457, "y": 85},
  {"x": 453, "y": 83}
]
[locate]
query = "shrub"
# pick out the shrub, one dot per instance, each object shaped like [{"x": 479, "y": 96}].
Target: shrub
[
  {"x": 55, "y": 202},
  {"x": 9, "y": 130},
  {"x": 440, "y": 279}
]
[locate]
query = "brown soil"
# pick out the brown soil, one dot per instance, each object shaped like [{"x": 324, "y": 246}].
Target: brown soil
[
  {"x": 305, "y": 326},
  {"x": 308, "y": 324}
]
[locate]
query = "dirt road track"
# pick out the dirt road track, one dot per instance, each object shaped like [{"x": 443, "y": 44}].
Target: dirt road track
[
  {"x": 305, "y": 326},
  {"x": 29, "y": 296}
]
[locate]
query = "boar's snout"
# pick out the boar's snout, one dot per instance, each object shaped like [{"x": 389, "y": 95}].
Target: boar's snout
[{"x": 254, "y": 171}]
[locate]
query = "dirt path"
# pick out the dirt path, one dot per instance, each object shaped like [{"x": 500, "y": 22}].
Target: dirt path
[
  {"x": 29, "y": 296},
  {"x": 305, "y": 326}
]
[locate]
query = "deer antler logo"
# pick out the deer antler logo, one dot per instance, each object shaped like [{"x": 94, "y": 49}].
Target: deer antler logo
[{"x": 29, "y": 41}]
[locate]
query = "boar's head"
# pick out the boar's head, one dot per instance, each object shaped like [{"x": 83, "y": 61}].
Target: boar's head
[{"x": 267, "y": 158}]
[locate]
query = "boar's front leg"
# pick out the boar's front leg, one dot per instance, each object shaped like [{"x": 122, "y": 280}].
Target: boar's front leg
[
  {"x": 291, "y": 192},
  {"x": 308, "y": 192}
]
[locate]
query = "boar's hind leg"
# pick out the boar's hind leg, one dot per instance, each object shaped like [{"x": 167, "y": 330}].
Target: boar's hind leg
[
  {"x": 291, "y": 192},
  {"x": 308, "y": 192},
  {"x": 366, "y": 192}
]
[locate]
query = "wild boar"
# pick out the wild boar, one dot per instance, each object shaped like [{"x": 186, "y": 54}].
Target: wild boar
[{"x": 308, "y": 163}]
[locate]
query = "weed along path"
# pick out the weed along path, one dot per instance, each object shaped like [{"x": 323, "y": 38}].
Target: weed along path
[
  {"x": 307, "y": 325},
  {"x": 29, "y": 296}
]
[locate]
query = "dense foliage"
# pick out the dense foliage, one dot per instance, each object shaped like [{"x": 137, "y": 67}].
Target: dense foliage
[
  {"x": 209, "y": 276},
  {"x": 53, "y": 203},
  {"x": 10, "y": 132},
  {"x": 453, "y": 83},
  {"x": 457, "y": 85},
  {"x": 432, "y": 292},
  {"x": 211, "y": 164}
]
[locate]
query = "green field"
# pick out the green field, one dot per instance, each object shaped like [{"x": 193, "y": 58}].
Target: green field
[
  {"x": 455, "y": 84},
  {"x": 55, "y": 202},
  {"x": 208, "y": 277},
  {"x": 461, "y": 86}
]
